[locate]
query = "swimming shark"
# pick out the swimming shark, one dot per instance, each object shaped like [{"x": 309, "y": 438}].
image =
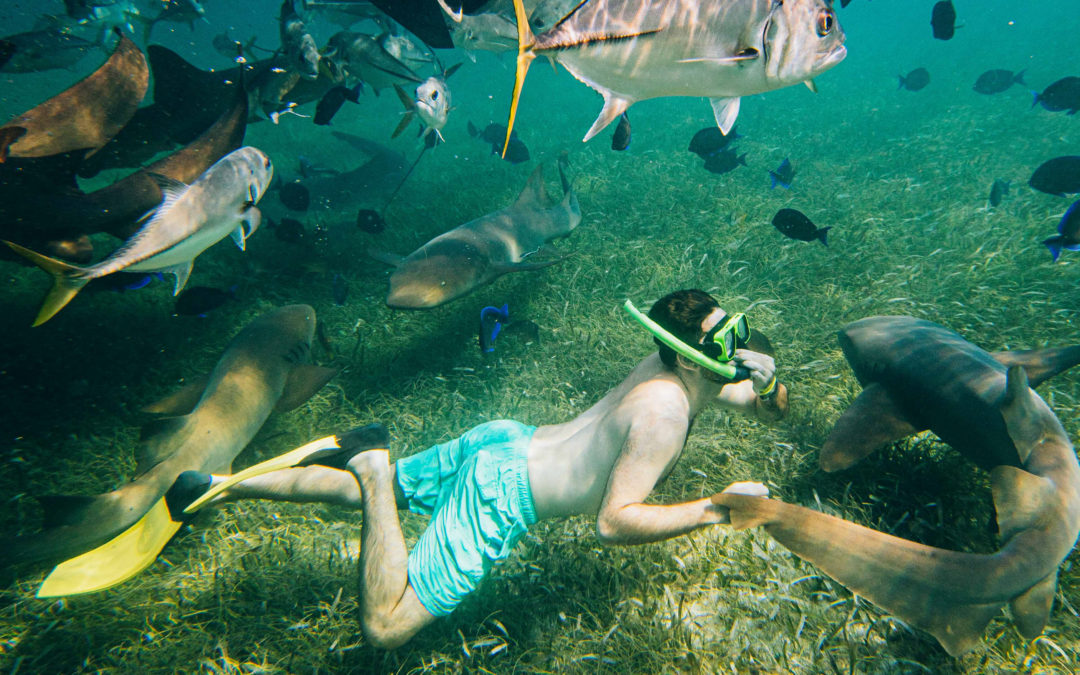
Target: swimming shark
[
  {"x": 85, "y": 115},
  {"x": 203, "y": 427},
  {"x": 190, "y": 219},
  {"x": 480, "y": 251},
  {"x": 917, "y": 375},
  {"x": 633, "y": 50}
]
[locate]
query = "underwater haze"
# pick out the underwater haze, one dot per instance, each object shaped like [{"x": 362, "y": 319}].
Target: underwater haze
[{"x": 902, "y": 178}]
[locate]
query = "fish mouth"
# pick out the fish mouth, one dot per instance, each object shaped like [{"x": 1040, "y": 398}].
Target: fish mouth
[{"x": 832, "y": 57}]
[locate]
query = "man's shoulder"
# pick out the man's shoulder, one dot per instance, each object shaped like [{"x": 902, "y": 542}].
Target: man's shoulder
[{"x": 656, "y": 397}]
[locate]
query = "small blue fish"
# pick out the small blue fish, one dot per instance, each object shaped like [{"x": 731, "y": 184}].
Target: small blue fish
[
  {"x": 784, "y": 174},
  {"x": 491, "y": 323},
  {"x": 620, "y": 140},
  {"x": 1068, "y": 233}
]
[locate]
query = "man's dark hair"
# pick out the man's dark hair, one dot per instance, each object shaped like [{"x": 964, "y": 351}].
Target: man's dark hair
[{"x": 681, "y": 314}]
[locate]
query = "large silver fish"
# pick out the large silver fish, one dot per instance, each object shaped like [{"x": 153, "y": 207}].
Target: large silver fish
[
  {"x": 480, "y": 251},
  {"x": 632, "y": 50},
  {"x": 190, "y": 219},
  {"x": 920, "y": 375},
  {"x": 204, "y": 427}
]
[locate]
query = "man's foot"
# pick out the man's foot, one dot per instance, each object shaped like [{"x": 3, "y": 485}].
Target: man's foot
[
  {"x": 361, "y": 439},
  {"x": 187, "y": 487},
  {"x": 369, "y": 465}
]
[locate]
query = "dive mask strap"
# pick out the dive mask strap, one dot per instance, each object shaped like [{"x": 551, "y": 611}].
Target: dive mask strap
[{"x": 728, "y": 370}]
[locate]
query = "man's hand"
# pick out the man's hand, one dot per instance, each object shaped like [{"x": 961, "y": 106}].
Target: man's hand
[
  {"x": 762, "y": 368},
  {"x": 748, "y": 488}
]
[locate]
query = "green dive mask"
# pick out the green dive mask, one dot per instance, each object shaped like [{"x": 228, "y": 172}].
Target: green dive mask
[{"x": 732, "y": 333}]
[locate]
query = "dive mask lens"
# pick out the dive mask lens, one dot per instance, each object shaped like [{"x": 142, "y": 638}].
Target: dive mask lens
[{"x": 725, "y": 337}]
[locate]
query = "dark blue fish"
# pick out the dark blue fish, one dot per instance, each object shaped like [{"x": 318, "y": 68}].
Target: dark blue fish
[
  {"x": 125, "y": 281},
  {"x": 711, "y": 140},
  {"x": 332, "y": 101},
  {"x": 998, "y": 190},
  {"x": 620, "y": 140},
  {"x": 340, "y": 290},
  {"x": 795, "y": 225},
  {"x": 724, "y": 161},
  {"x": 370, "y": 221},
  {"x": 200, "y": 300},
  {"x": 915, "y": 80},
  {"x": 1064, "y": 94},
  {"x": 491, "y": 323},
  {"x": 295, "y": 196},
  {"x": 289, "y": 230},
  {"x": 1058, "y": 176},
  {"x": 1068, "y": 233},
  {"x": 943, "y": 20},
  {"x": 783, "y": 175},
  {"x": 494, "y": 134}
]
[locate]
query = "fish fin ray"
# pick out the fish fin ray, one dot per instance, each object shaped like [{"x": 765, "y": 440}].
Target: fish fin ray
[
  {"x": 68, "y": 280},
  {"x": 526, "y": 41},
  {"x": 725, "y": 111},
  {"x": 614, "y": 106},
  {"x": 871, "y": 421},
  {"x": 171, "y": 189}
]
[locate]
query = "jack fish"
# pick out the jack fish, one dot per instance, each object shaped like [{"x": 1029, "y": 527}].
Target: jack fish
[
  {"x": 919, "y": 375},
  {"x": 190, "y": 219},
  {"x": 633, "y": 50},
  {"x": 482, "y": 250},
  {"x": 209, "y": 423}
]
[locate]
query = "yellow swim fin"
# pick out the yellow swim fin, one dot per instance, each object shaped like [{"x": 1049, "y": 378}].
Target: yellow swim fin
[
  {"x": 115, "y": 561},
  {"x": 136, "y": 548}
]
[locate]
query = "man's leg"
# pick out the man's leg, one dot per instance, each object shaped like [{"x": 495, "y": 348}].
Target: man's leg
[
  {"x": 300, "y": 484},
  {"x": 391, "y": 611}
]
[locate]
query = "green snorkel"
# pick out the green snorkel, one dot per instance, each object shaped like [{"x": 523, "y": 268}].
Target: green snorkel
[{"x": 728, "y": 370}]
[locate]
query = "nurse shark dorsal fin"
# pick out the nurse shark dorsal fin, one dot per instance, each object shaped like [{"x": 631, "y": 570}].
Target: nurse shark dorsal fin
[
  {"x": 181, "y": 401},
  {"x": 1040, "y": 364},
  {"x": 871, "y": 421},
  {"x": 1027, "y": 417},
  {"x": 1020, "y": 499},
  {"x": 533, "y": 194},
  {"x": 1031, "y": 609},
  {"x": 302, "y": 384}
]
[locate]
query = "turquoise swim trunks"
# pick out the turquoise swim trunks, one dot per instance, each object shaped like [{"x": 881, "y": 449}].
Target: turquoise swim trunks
[{"x": 476, "y": 488}]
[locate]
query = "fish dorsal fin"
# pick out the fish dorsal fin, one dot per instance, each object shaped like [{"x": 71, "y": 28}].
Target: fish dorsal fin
[
  {"x": 533, "y": 194},
  {"x": 1021, "y": 499},
  {"x": 1028, "y": 419},
  {"x": 61, "y": 510},
  {"x": 182, "y": 271},
  {"x": 725, "y": 111},
  {"x": 181, "y": 401},
  {"x": 614, "y": 107},
  {"x": 1040, "y": 364},
  {"x": 811, "y": 85},
  {"x": 871, "y": 421},
  {"x": 1031, "y": 609},
  {"x": 302, "y": 383},
  {"x": 171, "y": 189},
  {"x": 153, "y": 437}
]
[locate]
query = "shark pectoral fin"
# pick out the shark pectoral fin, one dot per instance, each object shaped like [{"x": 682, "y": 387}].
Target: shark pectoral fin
[
  {"x": 61, "y": 510},
  {"x": 303, "y": 382},
  {"x": 1031, "y": 609},
  {"x": 533, "y": 193},
  {"x": 871, "y": 421},
  {"x": 115, "y": 561},
  {"x": 725, "y": 111},
  {"x": 239, "y": 236},
  {"x": 65, "y": 282},
  {"x": 385, "y": 257},
  {"x": 1021, "y": 499},
  {"x": 1040, "y": 364},
  {"x": 614, "y": 106},
  {"x": 1028, "y": 419},
  {"x": 181, "y": 272},
  {"x": 181, "y": 401}
]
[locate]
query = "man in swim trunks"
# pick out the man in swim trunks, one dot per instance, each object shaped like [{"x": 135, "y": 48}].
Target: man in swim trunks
[{"x": 484, "y": 489}]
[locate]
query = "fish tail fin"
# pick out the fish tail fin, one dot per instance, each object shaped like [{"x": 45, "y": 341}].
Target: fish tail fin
[
  {"x": 1040, "y": 364},
  {"x": 1054, "y": 244},
  {"x": 1035, "y": 98},
  {"x": 903, "y": 81},
  {"x": 821, "y": 234},
  {"x": 1018, "y": 78},
  {"x": 772, "y": 180},
  {"x": 65, "y": 282},
  {"x": 526, "y": 40}
]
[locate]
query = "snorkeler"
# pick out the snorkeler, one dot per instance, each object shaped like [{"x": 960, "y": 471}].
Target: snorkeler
[{"x": 485, "y": 489}]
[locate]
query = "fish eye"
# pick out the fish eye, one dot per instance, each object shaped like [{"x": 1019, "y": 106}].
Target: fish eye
[
  {"x": 825, "y": 22},
  {"x": 435, "y": 95}
]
